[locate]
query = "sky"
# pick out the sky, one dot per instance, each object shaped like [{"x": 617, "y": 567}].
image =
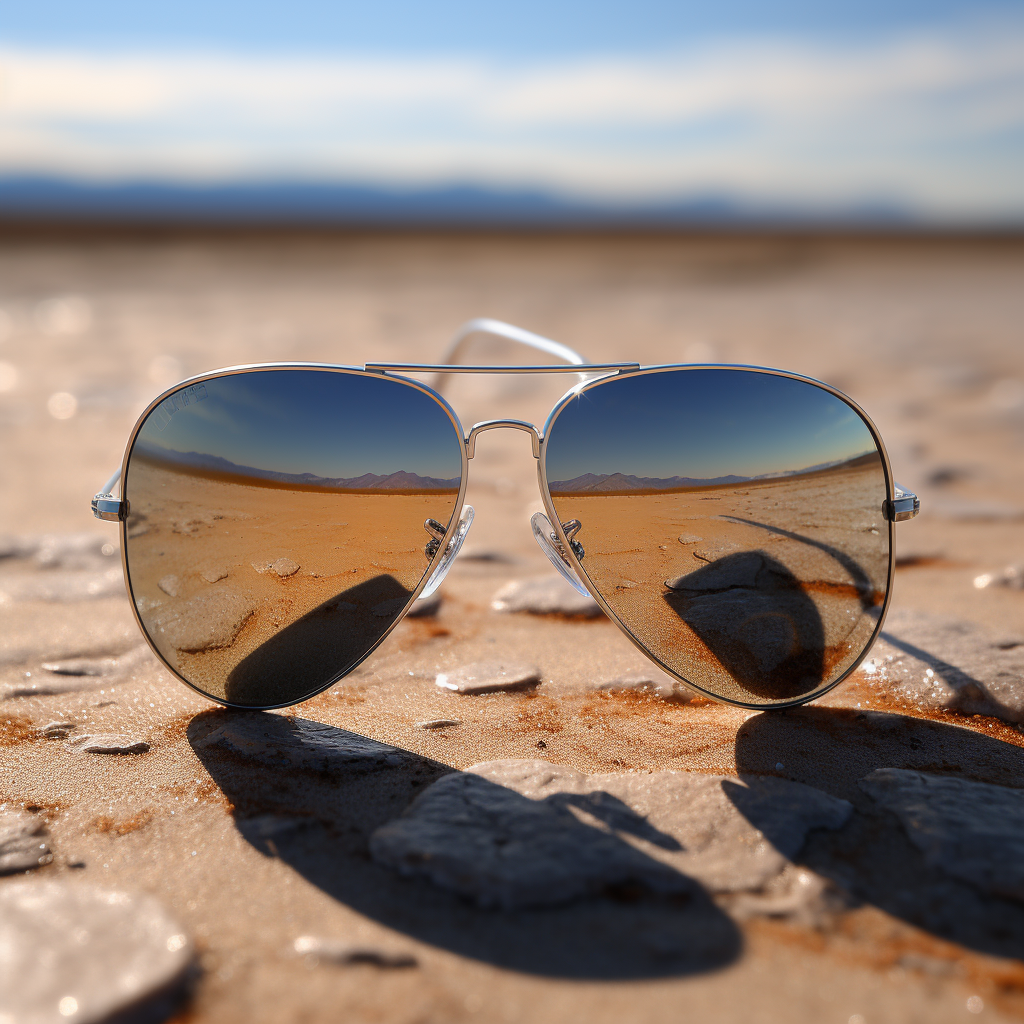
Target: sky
[
  {"x": 910, "y": 106},
  {"x": 307, "y": 421},
  {"x": 703, "y": 424}
]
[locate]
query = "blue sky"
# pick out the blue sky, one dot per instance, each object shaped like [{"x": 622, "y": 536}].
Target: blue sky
[{"x": 821, "y": 107}]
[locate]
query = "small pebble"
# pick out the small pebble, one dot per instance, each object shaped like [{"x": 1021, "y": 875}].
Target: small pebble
[
  {"x": 285, "y": 567},
  {"x": 75, "y": 952},
  {"x": 438, "y": 723},
  {"x": 214, "y": 575},
  {"x": 545, "y": 595},
  {"x": 170, "y": 585},
  {"x": 56, "y": 730},
  {"x": 489, "y": 677},
  {"x": 23, "y": 843},
  {"x": 109, "y": 743},
  {"x": 343, "y": 953}
]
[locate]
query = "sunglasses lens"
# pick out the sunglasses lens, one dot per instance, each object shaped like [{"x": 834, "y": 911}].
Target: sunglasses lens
[
  {"x": 732, "y": 522},
  {"x": 276, "y": 524}
]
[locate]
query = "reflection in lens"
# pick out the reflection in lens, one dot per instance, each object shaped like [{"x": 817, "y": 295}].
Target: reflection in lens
[
  {"x": 732, "y": 520},
  {"x": 276, "y": 525}
]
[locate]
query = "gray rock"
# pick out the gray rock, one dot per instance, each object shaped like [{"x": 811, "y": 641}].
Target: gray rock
[
  {"x": 170, "y": 585},
  {"x": 545, "y": 595},
  {"x": 69, "y": 951},
  {"x": 207, "y": 621},
  {"x": 57, "y": 730},
  {"x": 23, "y": 843},
  {"x": 971, "y": 830},
  {"x": 438, "y": 723},
  {"x": 1011, "y": 576},
  {"x": 62, "y": 586},
  {"x": 489, "y": 677},
  {"x": 938, "y": 663},
  {"x": 109, "y": 743},
  {"x": 284, "y": 567},
  {"x": 529, "y": 833},
  {"x": 652, "y": 681},
  {"x": 214, "y": 575},
  {"x": 335, "y": 951},
  {"x": 286, "y": 742}
]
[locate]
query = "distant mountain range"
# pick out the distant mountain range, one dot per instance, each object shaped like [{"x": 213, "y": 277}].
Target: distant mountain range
[
  {"x": 216, "y": 467},
  {"x": 619, "y": 483}
]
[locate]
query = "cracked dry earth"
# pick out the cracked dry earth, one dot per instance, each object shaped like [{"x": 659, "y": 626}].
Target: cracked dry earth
[{"x": 558, "y": 832}]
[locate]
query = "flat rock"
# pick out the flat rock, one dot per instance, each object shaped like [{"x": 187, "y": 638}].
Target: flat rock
[
  {"x": 545, "y": 595},
  {"x": 438, "y": 723},
  {"x": 61, "y": 586},
  {"x": 81, "y": 666},
  {"x": 284, "y": 567},
  {"x": 70, "y": 951},
  {"x": 938, "y": 663},
  {"x": 57, "y": 730},
  {"x": 528, "y": 833},
  {"x": 652, "y": 681},
  {"x": 170, "y": 585},
  {"x": 74, "y": 675},
  {"x": 971, "y": 830},
  {"x": 287, "y": 742},
  {"x": 23, "y": 843},
  {"x": 207, "y": 621},
  {"x": 690, "y": 538},
  {"x": 214, "y": 575},
  {"x": 337, "y": 951},
  {"x": 489, "y": 677},
  {"x": 109, "y": 743}
]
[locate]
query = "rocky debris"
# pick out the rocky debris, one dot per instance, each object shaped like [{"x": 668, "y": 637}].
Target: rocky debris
[
  {"x": 170, "y": 585},
  {"x": 438, "y": 723},
  {"x": 69, "y": 951},
  {"x": 57, "y": 730},
  {"x": 214, "y": 575},
  {"x": 284, "y": 567},
  {"x": 1011, "y": 576},
  {"x": 489, "y": 677},
  {"x": 207, "y": 621},
  {"x": 78, "y": 674},
  {"x": 545, "y": 595},
  {"x": 796, "y": 894},
  {"x": 528, "y": 833},
  {"x": 943, "y": 664},
  {"x": 425, "y": 607},
  {"x": 335, "y": 951},
  {"x": 652, "y": 681},
  {"x": 297, "y": 743},
  {"x": 971, "y": 830},
  {"x": 23, "y": 843},
  {"x": 108, "y": 743},
  {"x": 61, "y": 586}
]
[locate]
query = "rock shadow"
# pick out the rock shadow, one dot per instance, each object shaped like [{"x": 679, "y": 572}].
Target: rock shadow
[
  {"x": 754, "y": 616},
  {"x": 318, "y": 648},
  {"x": 313, "y": 795},
  {"x": 871, "y": 857}
]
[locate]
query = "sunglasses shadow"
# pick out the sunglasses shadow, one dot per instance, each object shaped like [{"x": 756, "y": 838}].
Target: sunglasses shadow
[
  {"x": 318, "y": 807},
  {"x": 752, "y": 613},
  {"x": 318, "y": 648},
  {"x": 871, "y": 857}
]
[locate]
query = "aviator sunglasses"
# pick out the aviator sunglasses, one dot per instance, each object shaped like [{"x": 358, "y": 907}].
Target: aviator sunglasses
[{"x": 278, "y": 520}]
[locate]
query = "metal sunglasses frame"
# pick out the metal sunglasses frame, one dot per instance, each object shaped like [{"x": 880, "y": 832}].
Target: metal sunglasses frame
[{"x": 899, "y": 505}]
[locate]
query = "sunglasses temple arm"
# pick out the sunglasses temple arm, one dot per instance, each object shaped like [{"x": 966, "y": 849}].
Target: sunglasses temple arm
[
  {"x": 105, "y": 506},
  {"x": 500, "y": 329}
]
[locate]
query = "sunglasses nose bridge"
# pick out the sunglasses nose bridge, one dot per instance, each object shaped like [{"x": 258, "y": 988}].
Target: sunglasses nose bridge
[{"x": 479, "y": 428}]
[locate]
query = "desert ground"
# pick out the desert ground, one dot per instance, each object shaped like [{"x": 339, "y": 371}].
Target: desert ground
[{"x": 622, "y": 849}]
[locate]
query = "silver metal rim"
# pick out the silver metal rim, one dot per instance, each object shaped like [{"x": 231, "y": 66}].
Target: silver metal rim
[
  {"x": 233, "y": 371},
  {"x": 578, "y": 389}
]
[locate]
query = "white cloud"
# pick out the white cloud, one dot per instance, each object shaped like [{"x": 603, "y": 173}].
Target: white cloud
[{"x": 936, "y": 121}]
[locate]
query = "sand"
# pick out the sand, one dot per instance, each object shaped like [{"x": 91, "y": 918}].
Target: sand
[{"x": 262, "y": 852}]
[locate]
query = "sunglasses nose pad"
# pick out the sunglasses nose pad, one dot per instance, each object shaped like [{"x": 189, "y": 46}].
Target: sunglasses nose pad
[
  {"x": 454, "y": 545},
  {"x": 548, "y": 542}
]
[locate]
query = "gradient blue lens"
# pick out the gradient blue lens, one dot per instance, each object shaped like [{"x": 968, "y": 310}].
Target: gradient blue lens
[
  {"x": 731, "y": 520},
  {"x": 276, "y": 524}
]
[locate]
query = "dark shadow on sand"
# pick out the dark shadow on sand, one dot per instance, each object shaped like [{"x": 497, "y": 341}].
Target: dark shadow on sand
[
  {"x": 871, "y": 857},
  {"x": 331, "y": 809},
  {"x": 754, "y": 616},
  {"x": 319, "y": 648}
]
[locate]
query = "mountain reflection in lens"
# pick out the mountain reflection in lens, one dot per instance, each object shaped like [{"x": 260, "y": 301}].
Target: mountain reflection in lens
[
  {"x": 732, "y": 520},
  {"x": 276, "y": 524}
]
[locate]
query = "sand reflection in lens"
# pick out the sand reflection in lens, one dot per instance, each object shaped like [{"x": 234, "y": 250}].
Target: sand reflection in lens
[
  {"x": 276, "y": 524},
  {"x": 732, "y": 521}
]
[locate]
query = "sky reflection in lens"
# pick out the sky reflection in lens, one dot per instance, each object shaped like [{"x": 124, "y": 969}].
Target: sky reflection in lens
[
  {"x": 703, "y": 424},
  {"x": 334, "y": 426}
]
